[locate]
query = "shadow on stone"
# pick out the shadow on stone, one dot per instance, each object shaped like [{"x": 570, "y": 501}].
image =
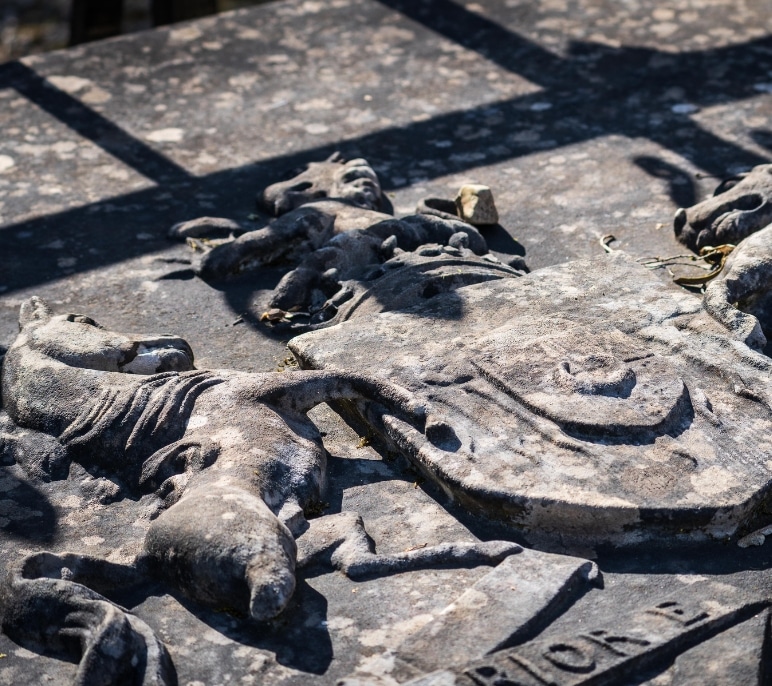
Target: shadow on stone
[
  {"x": 669, "y": 558},
  {"x": 597, "y": 91},
  {"x": 762, "y": 137},
  {"x": 347, "y": 472},
  {"x": 350, "y": 472},
  {"x": 240, "y": 293},
  {"x": 681, "y": 187},
  {"x": 298, "y": 637},
  {"x": 29, "y": 514},
  {"x": 499, "y": 240}
]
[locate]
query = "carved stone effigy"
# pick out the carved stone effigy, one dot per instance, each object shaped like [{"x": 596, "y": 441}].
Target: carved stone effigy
[
  {"x": 331, "y": 224},
  {"x": 590, "y": 401},
  {"x": 565, "y": 473},
  {"x": 230, "y": 457},
  {"x": 740, "y": 206}
]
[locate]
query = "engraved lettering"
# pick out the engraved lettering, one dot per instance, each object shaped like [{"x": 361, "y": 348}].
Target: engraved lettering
[
  {"x": 571, "y": 657},
  {"x": 672, "y": 610},
  {"x": 536, "y": 672},
  {"x": 622, "y": 646},
  {"x": 488, "y": 675}
]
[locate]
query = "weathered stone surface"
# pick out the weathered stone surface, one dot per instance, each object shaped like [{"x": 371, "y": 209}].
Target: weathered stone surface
[
  {"x": 514, "y": 601},
  {"x": 734, "y": 656},
  {"x": 337, "y": 242},
  {"x": 587, "y": 119},
  {"x": 358, "y": 254},
  {"x": 409, "y": 278},
  {"x": 338, "y": 196},
  {"x": 474, "y": 204},
  {"x": 635, "y": 629},
  {"x": 231, "y": 458},
  {"x": 400, "y": 281},
  {"x": 46, "y": 601},
  {"x": 206, "y": 227},
  {"x": 590, "y": 401},
  {"x": 352, "y": 181},
  {"x": 739, "y": 298},
  {"x": 739, "y": 207}
]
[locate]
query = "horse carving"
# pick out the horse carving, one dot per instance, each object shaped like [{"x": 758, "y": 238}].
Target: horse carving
[{"x": 231, "y": 458}]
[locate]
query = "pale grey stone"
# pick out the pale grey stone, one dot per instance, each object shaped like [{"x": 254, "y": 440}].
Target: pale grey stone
[
  {"x": 509, "y": 604},
  {"x": 570, "y": 119},
  {"x": 592, "y": 402},
  {"x": 734, "y": 656},
  {"x": 439, "y": 678},
  {"x": 209, "y": 227},
  {"x": 46, "y": 601},
  {"x": 739, "y": 298},
  {"x": 231, "y": 458},
  {"x": 352, "y": 181},
  {"x": 333, "y": 233},
  {"x": 739, "y": 207},
  {"x": 621, "y": 633}
]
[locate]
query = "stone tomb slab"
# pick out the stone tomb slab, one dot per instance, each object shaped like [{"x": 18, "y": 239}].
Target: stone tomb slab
[
  {"x": 591, "y": 401},
  {"x": 585, "y": 119},
  {"x": 635, "y": 632}
]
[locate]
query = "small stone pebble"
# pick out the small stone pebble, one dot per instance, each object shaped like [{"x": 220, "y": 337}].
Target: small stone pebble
[{"x": 475, "y": 205}]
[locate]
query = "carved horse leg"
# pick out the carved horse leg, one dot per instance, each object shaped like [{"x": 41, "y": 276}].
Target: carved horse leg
[
  {"x": 341, "y": 540},
  {"x": 343, "y": 536},
  {"x": 299, "y": 392},
  {"x": 44, "y": 601},
  {"x": 221, "y": 545}
]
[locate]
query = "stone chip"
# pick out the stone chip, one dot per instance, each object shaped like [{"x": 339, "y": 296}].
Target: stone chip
[{"x": 474, "y": 204}]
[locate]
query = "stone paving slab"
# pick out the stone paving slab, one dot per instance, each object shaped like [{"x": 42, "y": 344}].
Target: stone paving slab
[{"x": 586, "y": 118}]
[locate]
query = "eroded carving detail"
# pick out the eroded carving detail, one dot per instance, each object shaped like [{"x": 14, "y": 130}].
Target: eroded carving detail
[
  {"x": 740, "y": 297},
  {"x": 581, "y": 659},
  {"x": 232, "y": 459},
  {"x": 353, "y": 181},
  {"x": 331, "y": 224},
  {"x": 739, "y": 207},
  {"x": 612, "y": 413},
  {"x": 667, "y": 629},
  {"x": 50, "y": 600}
]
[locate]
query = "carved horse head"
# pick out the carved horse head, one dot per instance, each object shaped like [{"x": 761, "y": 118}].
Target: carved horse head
[
  {"x": 79, "y": 341},
  {"x": 354, "y": 182}
]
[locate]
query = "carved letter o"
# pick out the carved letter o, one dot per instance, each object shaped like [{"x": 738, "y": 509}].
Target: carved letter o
[{"x": 570, "y": 657}]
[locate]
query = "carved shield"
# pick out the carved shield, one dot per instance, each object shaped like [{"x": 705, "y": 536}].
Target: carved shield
[{"x": 592, "y": 401}]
